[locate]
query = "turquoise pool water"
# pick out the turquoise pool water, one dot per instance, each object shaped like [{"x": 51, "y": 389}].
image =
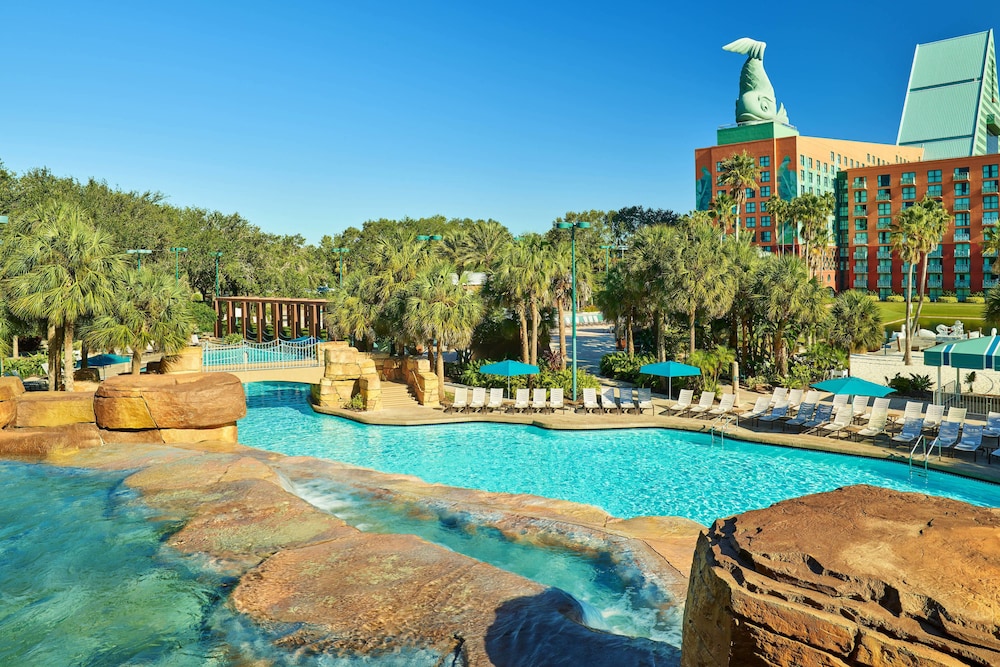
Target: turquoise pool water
[{"x": 628, "y": 473}]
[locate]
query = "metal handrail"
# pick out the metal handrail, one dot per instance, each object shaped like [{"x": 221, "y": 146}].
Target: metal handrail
[
  {"x": 722, "y": 431},
  {"x": 925, "y": 452}
]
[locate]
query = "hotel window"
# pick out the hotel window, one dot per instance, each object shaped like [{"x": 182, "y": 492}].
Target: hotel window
[
  {"x": 838, "y": 158},
  {"x": 884, "y": 223},
  {"x": 763, "y": 206},
  {"x": 765, "y": 160},
  {"x": 990, "y": 217},
  {"x": 885, "y": 208},
  {"x": 810, "y": 165},
  {"x": 962, "y": 219},
  {"x": 802, "y": 189},
  {"x": 990, "y": 186},
  {"x": 765, "y": 237},
  {"x": 831, "y": 156},
  {"x": 751, "y": 222},
  {"x": 884, "y": 238},
  {"x": 718, "y": 166},
  {"x": 809, "y": 177},
  {"x": 861, "y": 238},
  {"x": 990, "y": 170},
  {"x": 934, "y": 176},
  {"x": 852, "y": 163},
  {"x": 884, "y": 181},
  {"x": 860, "y": 196},
  {"x": 802, "y": 175},
  {"x": 750, "y": 193},
  {"x": 811, "y": 190},
  {"x": 751, "y": 207},
  {"x": 933, "y": 190},
  {"x": 765, "y": 191},
  {"x": 909, "y": 192},
  {"x": 861, "y": 224},
  {"x": 802, "y": 160},
  {"x": 907, "y": 204},
  {"x": 962, "y": 188},
  {"x": 908, "y": 178},
  {"x": 991, "y": 201},
  {"x": 962, "y": 203},
  {"x": 765, "y": 221},
  {"x": 765, "y": 177}
]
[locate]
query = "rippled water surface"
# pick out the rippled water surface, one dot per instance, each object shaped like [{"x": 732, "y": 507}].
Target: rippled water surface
[{"x": 629, "y": 473}]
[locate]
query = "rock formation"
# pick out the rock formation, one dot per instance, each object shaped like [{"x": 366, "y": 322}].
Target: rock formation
[{"x": 858, "y": 576}]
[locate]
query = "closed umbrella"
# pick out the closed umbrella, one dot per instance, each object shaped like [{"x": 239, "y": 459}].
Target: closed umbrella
[
  {"x": 507, "y": 368},
  {"x": 670, "y": 370}
]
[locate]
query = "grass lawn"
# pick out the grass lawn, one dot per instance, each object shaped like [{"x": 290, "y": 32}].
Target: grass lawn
[{"x": 933, "y": 314}]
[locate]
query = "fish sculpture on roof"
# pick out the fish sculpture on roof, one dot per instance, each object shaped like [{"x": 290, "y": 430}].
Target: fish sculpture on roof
[{"x": 756, "y": 102}]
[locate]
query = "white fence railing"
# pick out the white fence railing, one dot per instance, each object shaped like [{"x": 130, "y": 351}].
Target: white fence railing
[
  {"x": 274, "y": 355},
  {"x": 976, "y": 404}
]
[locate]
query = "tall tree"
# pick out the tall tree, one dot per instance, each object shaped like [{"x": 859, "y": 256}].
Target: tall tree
[
  {"x": 935, "y": 223},
  {"x": 905, "y": 237},
  {"x": 723, "y": 211},
  {"x": 813, "y": 213},
  {"x": 61, "y": 269},
  {"x": 739, "y": 172},
  {"x": 784, "y": 297},
  {"x": 856, "y": 323}
]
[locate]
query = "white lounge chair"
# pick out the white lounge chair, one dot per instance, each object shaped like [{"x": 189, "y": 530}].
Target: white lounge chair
[
  {"x": 841, "y": 420},
  {"x": 496, "y": 400},
  {"x": 875, "y": 426},
  {"x": 683, "y": 401},
  {"x": 860, "y": 407},
  {"x": 521, "y": 401},
  {"x": 879, "y": 404},
  {"x": 956, "y": 415},
  {"x": 725, "y": 406},
  {"x": 478, "y": 401},
  {"x": 794, "y": 398},
  {"x": 590, "y": 400},
  {"x": 913, "y": 410},
  {"x": 645, "y": 399},
  {"x": 625, "y": 399},
  {"x": 812, "y": 396},
  {"x": 972, "y": 440},
  {"x": 556, "y": 399},
  {"x": 705, "y": 402},
  {"x": 461, "y": 401},
  {"x": 608, "y": 402},
  {"x": 759, "y": 408},
  {"x": 538, "y": 399},
  {"x": 933, "y": 417},
  {"x": 779, "y": 395},
  {"x": 839, "y": 400}
]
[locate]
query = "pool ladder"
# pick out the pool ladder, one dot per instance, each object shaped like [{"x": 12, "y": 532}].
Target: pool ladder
[
  {"x": 925, "y": 451},
  {"x": 719, "y": 426}
]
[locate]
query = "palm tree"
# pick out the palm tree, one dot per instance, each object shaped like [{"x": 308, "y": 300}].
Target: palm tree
[
  {"x": 935, "y": 224},
  {"x": 813, "y": 212},
  {"x": 440, "y": 309},
  {"x": 739, "y": 172},
  {"x": 856, "y": 323},
  {"x": 781, "y": 212},
  {"x": 480, "y": 246},
  {"x": 905, "y": 239},
  {"x": 509, "y": 287},
  {"x": 784, "y": 296},
  {"x": 61, "y": 269},
  {"x": 723, "y": 210},
  {"x": 991, "y": 247},
  {"x": 991, "y": 311},
  {"x": 562, "y": 292},
  {"x": 151, "y": 308},
  {"x": 352, "y": 312}
]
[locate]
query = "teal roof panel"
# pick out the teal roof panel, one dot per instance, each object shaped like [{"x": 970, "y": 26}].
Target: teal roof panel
[
  {"x": 940, "y": 113},
  {"x": 950, "y": 60}
]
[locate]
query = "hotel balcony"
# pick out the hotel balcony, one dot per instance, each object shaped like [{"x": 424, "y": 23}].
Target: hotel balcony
[
  {"x": 962, "y": 267},
  {"x": 885, "y": 268},
  {"x": 961, "y": 236},
  {"x": 885, "y": 282},
  {"x": 962, "y": 252},
  {"x": 860, "y": 183},
  {"x": 861, "y": 209},
  {"x": 990, "y": 218},
  {"x": 884, "y": 254},
  {"x": 860, "y": 282},
  {"x": 961, "y": 207},
  {"x": 989, "y": 282},
  {"x": 962, "y": 284},
  {"x": 990, "y": 188},
  {"x": 961, "y": 175},
  {"x": 934, "y": 268},
  {"x": 908, "y": 180},
  {"x": 882, "y": 196},
  {"x": 935, "y": 253},
  {"x": 861, "y": 253},
  {"x": 934, "y": 281}
]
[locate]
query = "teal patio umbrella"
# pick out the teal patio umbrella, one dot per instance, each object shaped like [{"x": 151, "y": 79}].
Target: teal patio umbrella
[
  {"x": 508, "y": 368},
  {"x": 854, "y": 386},
  {"x": 670, "y": 370}
]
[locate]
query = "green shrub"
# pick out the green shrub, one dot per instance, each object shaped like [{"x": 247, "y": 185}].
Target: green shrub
[
  {"x": 25, "y": 366},
  {"x": 947, "y": 299},
  {"x": 233, "y": 339},
  {"x": 975, "y": 299},
  {"x": 895, "y": 298},
  {"x": 204, "y": 316},
  {"x": 357, "y": 402},
  {"x": 916, "y": 385},
  {"x": 621, "y": 366}
]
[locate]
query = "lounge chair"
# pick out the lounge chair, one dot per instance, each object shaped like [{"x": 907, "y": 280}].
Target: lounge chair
[
  {"x": 956, "y": 415},
  {"x": 461, "y": 401},
  {"x": 777, "y": 412},
  {"x": 839, "y": 400},
  {"x": 478, "y": 401},
  {"x": 645, "y": 399},
  {"x": 758, "y": 409},
  {"x": 933, "y": 417},
  {"x": 683, "y": 402},
  {"x": 608, "y": 402},
  {"x": 794, "y": 399},
  {"x": 625, "y": 399},
  {"x": 911, "y": 431},
  {"x": 992, "y": 428},
  {"x": 812, "y": 396},
  {"x": 835, "y": 427},
  {"x": 778, "y": 396},
  {"x": 590, "y": 400},
  {"x": 521, "y": 401},
  {"x": 725, "y": 406},
  {"x": 972, "y": 440},
  {"x": 556, "y": 399},
  {"x": 879, "y": 404},
  {"x": 860, "y": 407},
  {"x": 913, "y": 411},
  {"x": 804, "y": 414},
  {"x": 538, "y": 399},
  {"x": 822, "y": 415},
  {"x": 496, "y": 400},
  {"x": 705, "y": 402},
  {"x": 875, "y": 426},
  {"x": 947, "y": 436}
]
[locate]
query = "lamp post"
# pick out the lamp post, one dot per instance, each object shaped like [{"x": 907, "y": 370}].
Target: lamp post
[
  {"x": 572, "y": 226},
  {"x": 607, "y": 255},
  {"x": 138, "y": 252},
  {"x": 340, "y": 256},
  {"x": 177, "y": 263},
  {"x": 217, "y": 254}
]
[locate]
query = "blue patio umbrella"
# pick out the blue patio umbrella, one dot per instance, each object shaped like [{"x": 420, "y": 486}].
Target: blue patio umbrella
[
  {"x": 106, "y": 360},
  {"x": 507, "y": 368},
  {"x": 854, "y": 386},
  {"x": 670, "y": 370}
]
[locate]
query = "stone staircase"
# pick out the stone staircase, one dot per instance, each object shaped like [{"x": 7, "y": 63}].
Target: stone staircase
[{"x": 396, "y": 395}]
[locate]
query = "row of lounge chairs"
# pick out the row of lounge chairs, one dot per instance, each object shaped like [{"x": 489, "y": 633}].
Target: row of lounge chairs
[
  {"x": 623, "y": 403},
  {"x": 495, "y": 403}
]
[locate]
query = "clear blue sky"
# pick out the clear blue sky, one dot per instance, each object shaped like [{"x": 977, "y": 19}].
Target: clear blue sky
[{"x": 308, "y": 117}]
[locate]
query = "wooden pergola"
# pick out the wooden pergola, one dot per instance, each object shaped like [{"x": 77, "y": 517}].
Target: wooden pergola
[{"x": 234, "y": 314}]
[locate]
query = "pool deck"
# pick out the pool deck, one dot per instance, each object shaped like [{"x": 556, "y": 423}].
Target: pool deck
[{"x": 570, "y": 420}]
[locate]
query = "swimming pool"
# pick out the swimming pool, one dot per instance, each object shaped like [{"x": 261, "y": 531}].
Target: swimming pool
[{"x": 629, "y": 472}]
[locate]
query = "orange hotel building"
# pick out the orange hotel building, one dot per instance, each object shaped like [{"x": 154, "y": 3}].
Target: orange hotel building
[
  {"x": 791, "y": 165},
  {"x": 869, "y": 198}
]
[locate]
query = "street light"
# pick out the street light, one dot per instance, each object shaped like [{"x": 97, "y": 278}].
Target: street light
[
  {"x": 217, "y": 254},
  {"x": 607, "y": 255},
  {"x": 340, "y": 255},
  {"x": 177, "y": 263},
  {"x": 138, "y": 252},
  {"x": 572, "y": 226}
]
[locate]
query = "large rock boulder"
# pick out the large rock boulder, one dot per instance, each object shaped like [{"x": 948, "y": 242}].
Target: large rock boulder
[
  {"x": 10, "y": 389},
  {"x": 858, "y": 576},
  {"x": 45, "y": 441},
  {"x": 42, "y": 409},
  {"x": 185, "y": 360},
  {"x": 184, "y": 401}
]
